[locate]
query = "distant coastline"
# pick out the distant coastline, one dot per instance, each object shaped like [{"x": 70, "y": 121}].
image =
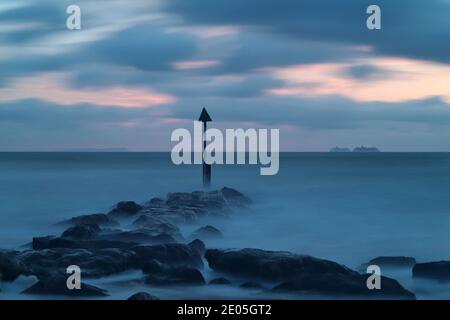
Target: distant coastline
[{"x": 356, "y": 149}]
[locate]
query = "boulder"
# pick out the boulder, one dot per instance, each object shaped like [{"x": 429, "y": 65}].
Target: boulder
[
  {"x": 158, "y": 225},
  {"x": 390, "y": 262},
  {"x": 56, "y": 285},
  {"x": 139, "y": 236},
  {"x": 99, "y": 219},
  {"x": 10, "y": 266},
  {"x": 438, "y": 270},
  {"x": 172, "y": 254},
  {"x": 220, "y": 280},
  {"x": 269, "y": 265},
  {"x": 52, "y": 242},
  {"x": 234, "y": 197},
  {"x": 96, "y": 263},
  {"x": 348, "y": 285},
  {"x": 125, "y": 208},
  {"x": 142, "y": 296},
  {"x": 82, "y": 232},
  {"x": 206, "y": 232},
  {"x": 299, "y": 273},
  {"x": 161, "y": 274}
]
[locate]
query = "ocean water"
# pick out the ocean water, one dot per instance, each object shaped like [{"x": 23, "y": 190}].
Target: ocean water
[{"x": 347, "y": 207}]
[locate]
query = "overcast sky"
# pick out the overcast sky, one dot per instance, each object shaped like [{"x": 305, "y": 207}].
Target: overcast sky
[{"x": 140, "y": 68}]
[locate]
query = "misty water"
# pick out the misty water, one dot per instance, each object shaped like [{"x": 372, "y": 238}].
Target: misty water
[{"x": 346, "y": 207}]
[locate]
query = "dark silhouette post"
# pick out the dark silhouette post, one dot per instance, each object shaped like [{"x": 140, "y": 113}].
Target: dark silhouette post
[{"x": 204, "y": 117}]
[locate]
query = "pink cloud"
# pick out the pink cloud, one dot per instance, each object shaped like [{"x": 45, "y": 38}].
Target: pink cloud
[
  {"x": 405, "y": 80},
  {"x": 194, "y": 64},
  {"x": 52, "y": 87}
]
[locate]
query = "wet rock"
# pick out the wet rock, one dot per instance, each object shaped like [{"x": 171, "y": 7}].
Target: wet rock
[
  {"x": 142, "y": 296},
  {"x": 52, "y": 242},
  {"x": 206, "y": 232},
  {"x": 220, "y": 280},
  {"x": 82, "y": 232},
  {"x": 173, "y": 254},
  {"x": 199, "y": 246},
  {"x": 10, "y": 266},
  {"x": 390, "y": 262},
  {"x": 251, "y": 285},
  {"x": 344, "y": 284},
  {"x": 234, "y": 197},
  {"x": 56, "y": 285},
  {"x": 438, "y": 270},
  {"x": 158, "y": 225},
  {"x": 161, "y": 274},
  {"x": 296, "y": 272},
  {"x": 156, "y": 202},
  {"x": 99, "y": 219},
  {"x": 96, "y": 263},
  {"x": 269, "y": 265},
  {"x": 126, "y": 208},
  {"x": 139, "y": 236}
]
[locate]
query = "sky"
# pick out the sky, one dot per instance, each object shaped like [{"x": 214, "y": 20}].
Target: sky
[{"x": 139, "y": 69}]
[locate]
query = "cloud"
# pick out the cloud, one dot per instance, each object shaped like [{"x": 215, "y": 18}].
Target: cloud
[
  {"x": 408, "y": 80},
  {"x": 52, "y": 88},
  {"x": 410, "y": 28}
]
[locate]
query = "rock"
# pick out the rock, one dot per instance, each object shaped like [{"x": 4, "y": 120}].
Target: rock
[
  {"x": 156, "y": 202},
  {"x": 220, "y": 280},
  {"x": 82, "y": 232},
  {"x": 52, "y": 242},
  {"x": 161, "y": 274},
  {"x": 251, "y": 285},
  {"x": 439, "y": 270},
  {"x": 339, "y": 284},
  {"x": 206, "y": 232},
  {"x": 158, "y": 225},
  {"x": 234, "y": 197},
  {"x": 99, "y": 219},
  {"x": 142, "y": 296},
  {"x": 139, "y": 236},
  {"x": 126, "y": 208},
  {"x": 172, "y": 254},
  {"x": 198, "y": 245},
  {"x": 296, "y": 272},
  {"x": 56, "y": 285},
  {"x": 269, "y": 265},
  {"x": 95, "y": 263},
  {"x": 10, "y": 266},
  {"x": 390, "y": 262}
]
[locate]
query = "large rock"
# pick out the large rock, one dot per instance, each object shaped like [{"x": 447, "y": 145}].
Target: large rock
[
  {"x": 99, "y": 219},
  {"x": 52, "y": 242},
  {"x": 340, "y": 284},
  {"x": 95, "y": 263},
  {"x": 206, "y": 233},
  {"x": 234, "y": 197},
  {"x": 172, "y": 254},
  {"x": 56, "y": 284},
  {"x": 390, "y": 262},
  {"x": 294, "y": 272},
  {"x": 125, "y": 208},
  {"x": 269, "y": 265},
  {"x": 158, "y": 225},
  {"x": 139, "y": 236},
  {"x": 161, "y": 274},
  {"x": 10, "y": 266},
  {"x": 82, "y": 232},
  {"x": 439, "y": 270},
  {"x": 142, "y": 296}
]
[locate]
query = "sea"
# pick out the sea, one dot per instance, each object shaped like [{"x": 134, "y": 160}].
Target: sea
[{"x": 346, "y": 207}]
